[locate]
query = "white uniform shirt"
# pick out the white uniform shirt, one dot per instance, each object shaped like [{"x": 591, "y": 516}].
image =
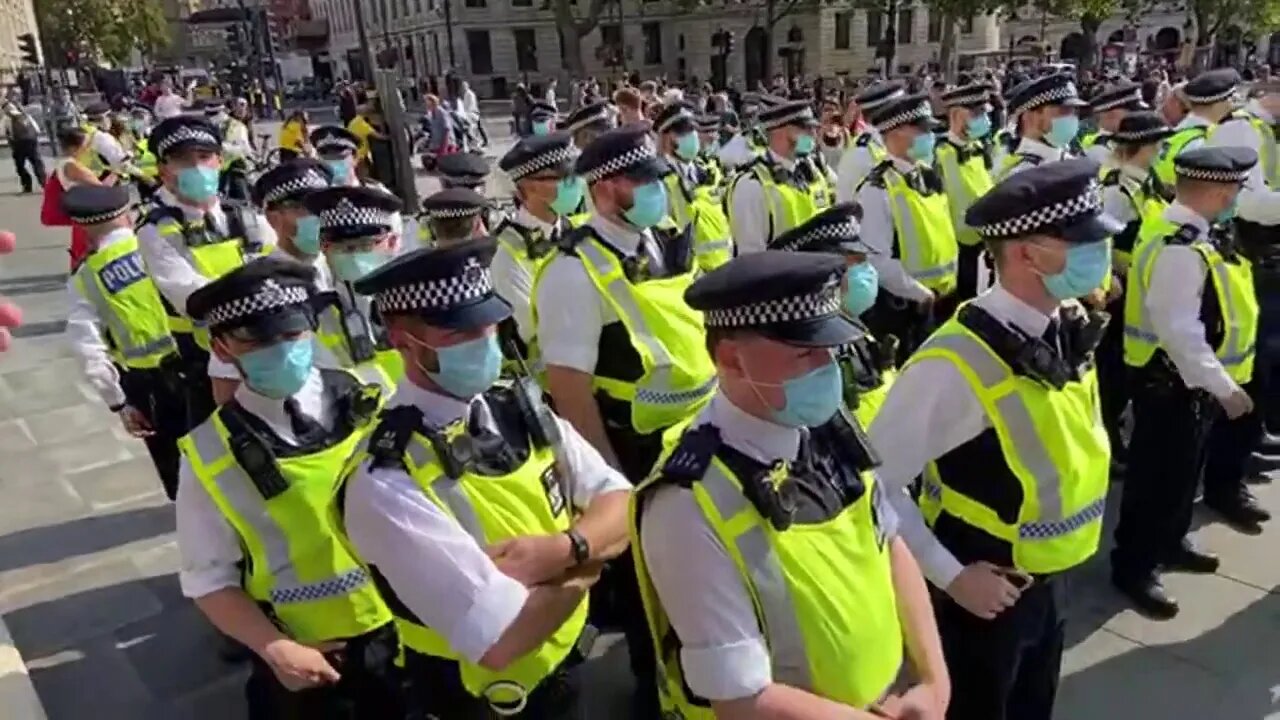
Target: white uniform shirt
[
  {"x": 1114, "y": 200},
  {"x": 1259, "y": 203},
  {"x": 1042, "y": 150},
  {"x": 168, "y": 105},
  {"x": 1193, "y": 120},
  {"x": 1100, "y": 150},
  {"x": 236, "y": 143},
  {"x": 750, "y": 210},
  {"x": 930, "y": 411},
  {"x": 209, "y": 545},
  {"x": 878, "y": 235},
  {"x": 854, "y": 165},
  {"x": 85, "y": 331},
  {"x": 722, "y": 651},
  {"x": 1173, "y": 301},
  {"x": 571, "y": 311},
  {"x": 736, "y": 152},
  {"x": 436, "y": 568},
  {"x": 112, "y": 153},
  {"x": 512, "y": 280}
]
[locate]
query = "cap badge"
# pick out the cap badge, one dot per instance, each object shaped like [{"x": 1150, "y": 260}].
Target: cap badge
[{"x": 472, "y": 273}]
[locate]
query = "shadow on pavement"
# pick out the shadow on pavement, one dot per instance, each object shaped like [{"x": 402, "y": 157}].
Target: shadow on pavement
[
  {"x": 38, "y": 329},
  {"x": 52, "y": 543},
  {"x": 16, "y": 287}
]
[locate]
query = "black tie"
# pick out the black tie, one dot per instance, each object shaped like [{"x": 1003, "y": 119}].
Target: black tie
[
  {"x": 1052, "y": 335},
  {"x": 305, "y": 429}
]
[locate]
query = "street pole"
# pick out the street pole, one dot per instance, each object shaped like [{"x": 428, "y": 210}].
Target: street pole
[
  {"x": 362, "y": 33},
  {"x": 268, "y": 38},
  {"x": 448, "y": 34}
]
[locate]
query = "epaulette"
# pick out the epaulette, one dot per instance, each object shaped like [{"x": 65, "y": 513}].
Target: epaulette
[
  {"x": 569, "y": 241},
  {"x": 388, "y": 442},
  {"x": 1030, "y": 158},
  {"x": 876, "y": 176},
  {"x": 689, "y": 462},
  {"x": 160, "y": 213},
  {"x": 863, "y": 140},
  {"x": 1186, "y": 234}
]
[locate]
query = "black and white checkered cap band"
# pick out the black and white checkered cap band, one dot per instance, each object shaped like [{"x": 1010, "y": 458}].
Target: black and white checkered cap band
[
  {"x": 1209, "y": 99},
  {"x": 542, "y": 161},
  {"x": 682, "y": 116},
  {"x": 796, "y": 308},
  {"x": 1088, "y": 202},
  {"x": 603, "y": 116},
  {"x": 613, "y": 166},
  {"x": 1215, "y": 175},
  {"x": 919, "y": 112},
  {"x": 977, "y": 96},
  {"x": 185, "y": 134},
  {"x": 345, "y": 214},
  {"x": 472, "y": 283},
  {"x": 844, "y": 232},
  {"x": 1062, "y": 92},
  {"x": 334, "y": 142},
  {"x": 1118, "y": 101},
  {"x": 805, "y": 113},
  {"x": 306, "y": 182},
  {"x": 866, "y": 105},
  {"x": 99, "y": 217},
  {"x": 1144, "y": 135},
  {"x": 268, "y": 297},
  {"x": 448, "y": 213}
]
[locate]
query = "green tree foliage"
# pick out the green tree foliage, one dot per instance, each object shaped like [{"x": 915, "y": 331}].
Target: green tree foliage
[{"x": 102, "y": 30}]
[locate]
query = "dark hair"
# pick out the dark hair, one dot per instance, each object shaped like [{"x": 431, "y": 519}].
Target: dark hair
[
  {"x": 715, "y": 335},
  {"x": 454, "y": 229},
  {"x": 71, "y": 136}
]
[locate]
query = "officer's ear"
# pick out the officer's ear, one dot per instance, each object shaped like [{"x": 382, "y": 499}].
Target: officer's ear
[{"x": 218, "y": 345}]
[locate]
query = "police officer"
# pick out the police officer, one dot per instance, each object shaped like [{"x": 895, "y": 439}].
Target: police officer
[
  {"x": 963, "y": 162},
  {"x": 866, "y": 363},
  {"x": 710, "y": 171},
  {"x": 482, "y": 516},
  {"x": 735, "y": 151},
  {"x": 189, "y": 237},
  {"x": 262, "y": 557},
  {"x": 547, "y": 192},
  {"x": 336, "y": 147},
  {"x": 690, "y": 204},
  {"x": 868, "y": 147},
  {"x": 746, "y": 608},
  {"x": 465, "y": 170},
  {"x": 1210, "y": 97},
  {"x": 237, "y": 150},
  {"x": 623, "y": 352},
  {"x": 103, "y": 154},
  {"x": 1190, "y": 328},
  {"x": 779, "y": 189},
  {"x": 906, "y": 223},
  {"x": 587, "y": 122},
  {"x": 357, "y": 236},
  {"x": 454, "y": 216},
  {"x": 280, "y": 194},
  {"x": 1046, "y": 115},
  {"x": 998, "y": 410},
  {"x": 1108, "y": 108},
  {"x": 119, "y": 330},
  {"x": 542, "y": 117}
]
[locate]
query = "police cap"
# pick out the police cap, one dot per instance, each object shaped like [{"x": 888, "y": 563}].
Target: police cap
[
  {"x": 789, "y": 112},
  {"x": 458, "y": 202},
  {"x": 1123, "y": 95},
  {"x": 446, "y": 286},
  {"x": 834, "y": 230},
  {"x": 1228, "y": 164},
  {"x": 1055, "y": 89},
  {"x": 463, "y": 169},
  {"x": 290, "y": 182},
  {"x": 1062, "y": 199},
  {"x": 182, "y": 132},
  {"x": 595, "y": 114},
  {"x": 676, "y": 117},
  {"x": 540, "y": 153},
  {"x": 975, "y": 95},
  {"x": 268, "y": 297},
  {"x": 542, "y": 110},
  {"x": 1211, "y": 86},
  {"x": 1141, "y": 128},
  {"x": 94, "y": 204},
  {"x": 628, "y": 151},
  {"x": 879, "y": 93},
  {"x": 353, "y": 213},
  {"x": 903, "y": 110},
  {"x": 333, "y": 139}
]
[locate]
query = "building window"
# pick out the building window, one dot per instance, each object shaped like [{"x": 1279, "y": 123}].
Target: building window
[
  {"x": 610, "y": 35},
  {"x": 652, "y": 43},
  {"x": 417, "y": 6},
  {"x": 475, "y": 3},
  {"x": 479, "y": 52},
  {"x": 966, "y": 25},
  {"x": 560, "y": 39},
  {"x": 843, "y": 22},
  {"x": 526, "y": 50},
  {"x": 522, "y": 3},
  {"x": 906, "y": 18},
  {"x": 875, "y": 28},
  {"x": 935, "y": 26}
]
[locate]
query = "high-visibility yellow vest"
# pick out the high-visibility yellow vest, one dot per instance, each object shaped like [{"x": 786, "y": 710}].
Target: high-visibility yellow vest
[
  {"x": 925, "y": 239},
  {"x": 229, "y": 159},
  {"x": 963, "y": 183},
  {"x": 874, "y": 147},
  {"x": 866, "y": 385},
  {"x": 790, "y": 204},
  {"x": 1054, "y": 447},
  {"x": 710, "y": 167},
  {"x": 146, "y": 160},
  {"x": 491, "y": 509},
  {"x": 297, "y": 560},
  {"x": 669, "y": 337},
  {"x": 1173, "y": 146},
  {"x": 712, "y": 236},
  {"x": 1268, "y": 149},
  {"x": 1232, "y": 281},
  {"x": 348, "y": 336},
  {"x": 823, "y": 593},
  {"x": 1013, "y": 160},
  {"x": 136, "y": 325},
  {"x": 1146, "y": 202}
]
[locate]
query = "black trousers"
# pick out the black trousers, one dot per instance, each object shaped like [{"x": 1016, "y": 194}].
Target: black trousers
[
  {"x": 967, "y": 271},
  {"x": 1006, "y": 668},
  {"x": 158, "y": 394},
  {"x": 1167, "y": 452},
  {"x": 372, "y": 686},
  {"x": 436, "y": 692},
  {"x": 1113, "y": 376},
  {"x": 1230, "y": 444},
  {"x": 196, "y": 386},
  {"x": 1266, "y": 372},
  {"x": 27, "y": 152}
]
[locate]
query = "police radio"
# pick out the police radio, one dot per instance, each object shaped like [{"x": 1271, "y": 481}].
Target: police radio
[{"x": 540, "y": 422}]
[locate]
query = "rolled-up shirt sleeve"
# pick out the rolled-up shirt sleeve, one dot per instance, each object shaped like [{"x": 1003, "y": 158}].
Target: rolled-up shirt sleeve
[
  {"x": 589, "y": 475},
  {"x": 570, "y": 318},
  {"x": 209, "y": 546}
]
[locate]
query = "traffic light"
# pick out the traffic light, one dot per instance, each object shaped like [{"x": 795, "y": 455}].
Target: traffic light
[{"x": 27, "y": 46}]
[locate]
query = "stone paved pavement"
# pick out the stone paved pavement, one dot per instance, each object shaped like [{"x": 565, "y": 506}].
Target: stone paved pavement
[{"x": 87, "y": 557}]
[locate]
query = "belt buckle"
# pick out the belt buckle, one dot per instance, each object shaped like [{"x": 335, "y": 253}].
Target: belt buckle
[{"x": 506, "y": 708}]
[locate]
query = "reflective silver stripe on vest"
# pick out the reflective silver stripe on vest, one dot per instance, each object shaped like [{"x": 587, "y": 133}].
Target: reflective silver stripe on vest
[
  {"x": 778, "y": 610},
  {"x": 118, "y": 329},
  {"x": 657, "y": 390},
  {"x": 448, "y": 490},
  {"x": 1144, "y": 331},
  {"x": 238, "y": 490},
  {"x": 910, "y": 237},
  {"x": 958, "y": 193},
  {"x": 711, "y": 246},
  {"x": 1027, "y": 443}
]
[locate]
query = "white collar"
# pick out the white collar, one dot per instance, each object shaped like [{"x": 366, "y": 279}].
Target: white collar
[
  {"x": 1254, "y": 107},
  {"x": 1013, "y": 311},
  {"x": 903, "y": 165},
  {"x": 761, "y": 440},
  {"x": 786, "y": 163},
  {"x": 438, "y": 410},
  {"x": 1193, "y": 120},
  {"x": 1041, "y": 149},
  {"x": 272, "y": 409},
  {"x": 527, "y": 219},
  {"x": 114, "y": 236},
  {"x": 1129, "y": 171},
  {"x": 167, "y": 197},
  {"x": 624, "y": 238},
  {"x": 1183, "y": 215},
  {"x": 957, "y": 140}
]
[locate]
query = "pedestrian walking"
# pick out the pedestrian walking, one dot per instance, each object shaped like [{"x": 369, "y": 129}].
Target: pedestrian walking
[{"x": 23, "y": 133}]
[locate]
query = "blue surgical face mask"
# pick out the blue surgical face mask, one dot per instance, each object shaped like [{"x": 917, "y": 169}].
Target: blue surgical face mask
[
  {"x": 351, "y": 266},
  {"x": 279, "y": 370},
  {"x": 978, "y": 126},
  {"x": 862, "y": 284},
  {"x": 569, "y": 192},
  {"x": 649, "y": 205},
  {"x": 1063, "y": 130},
  {"x": 341, "y": 169},
  {"x": 922, "y": 147},
  {"x": 805, "y": 144},
  {"x": 306, "y": 235},
  {"x": 468, "y": 368},
  {"x": 809, "y": 399},
  {"x": 687, "y": 146},
  {"x": 542, "y": 127},
  {"x": 1087, "y": 266},
  {"x": 198, "y": 183},
  {"x": 1229, "y": 212}
]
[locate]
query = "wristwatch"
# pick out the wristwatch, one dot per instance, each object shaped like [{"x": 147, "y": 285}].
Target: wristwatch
[{"x": 579, "y": 546}]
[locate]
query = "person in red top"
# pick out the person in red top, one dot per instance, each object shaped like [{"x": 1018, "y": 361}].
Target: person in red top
[{"x": 67, "y": 173}]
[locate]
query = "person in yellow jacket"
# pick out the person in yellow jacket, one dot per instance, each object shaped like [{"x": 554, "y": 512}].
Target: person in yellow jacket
[
  {"x": 999, "y": 411},
  {"x": 774, "y": 580},
  {"x": 1191, "y": 325},
  {"x": 119, "y": 331},
  {"x": 690, "y": 204},
  {"x": 623, "y": 352},
  {"x": 1046, "y": 115},
  {"x": 906, "y": 223},
  {"x": 482, "y": 516},
  {"x": 868, "y": 146},
  {"x": 294, "y": 136},
  {"x": 963, "y": 162},
  {"x": 1210, "y": 97},
  {"x": 262, "y": 554}
]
